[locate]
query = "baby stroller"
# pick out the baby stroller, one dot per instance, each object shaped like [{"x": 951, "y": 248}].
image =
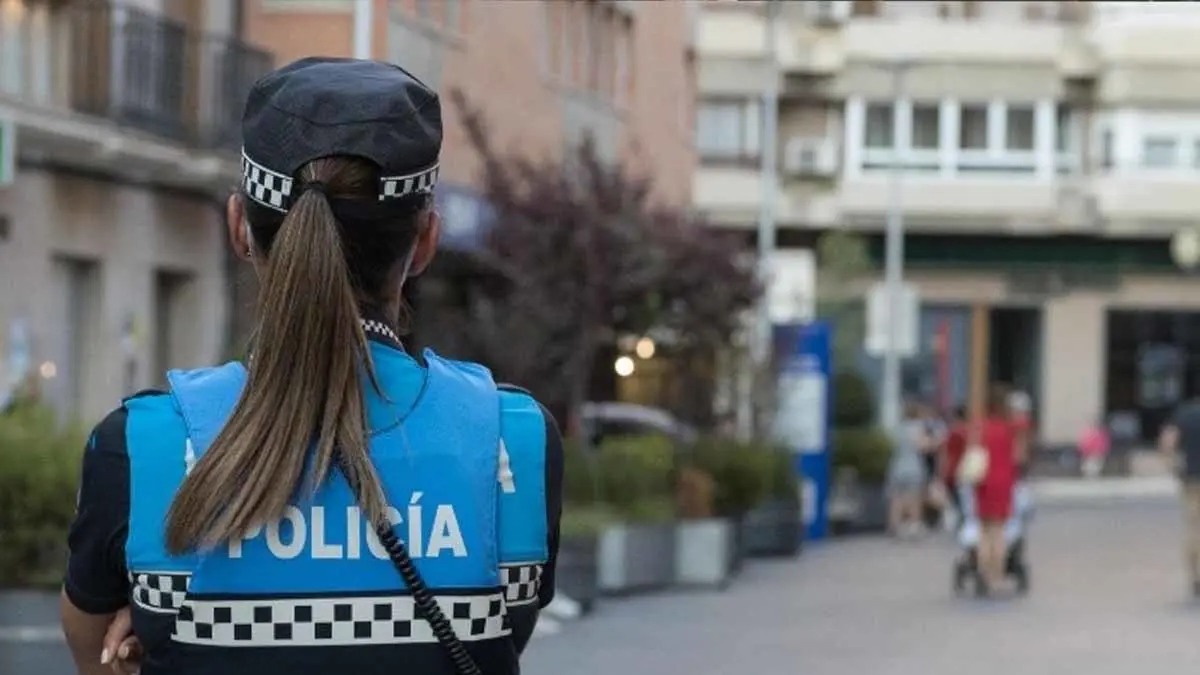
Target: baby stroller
[{"x": 966, "y": 566}]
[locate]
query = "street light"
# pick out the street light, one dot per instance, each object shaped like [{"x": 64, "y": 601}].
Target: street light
[
  {"x": 769, "y": 175},
  {"x": 894, "y": 257}
]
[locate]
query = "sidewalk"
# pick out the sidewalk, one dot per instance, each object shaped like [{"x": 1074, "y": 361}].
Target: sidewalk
[
  {"x": 1149, "y": 477},
  {"x": 1108, "y": 599}
]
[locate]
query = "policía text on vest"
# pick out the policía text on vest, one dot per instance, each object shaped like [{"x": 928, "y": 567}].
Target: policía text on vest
[{"x": 306, "y": 533}]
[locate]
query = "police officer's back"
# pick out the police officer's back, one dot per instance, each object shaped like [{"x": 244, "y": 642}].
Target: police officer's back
[{"x": 332, "y": 505}]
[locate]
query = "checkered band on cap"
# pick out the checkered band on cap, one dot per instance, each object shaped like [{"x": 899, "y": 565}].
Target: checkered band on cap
[
  {"x": 335, "y": 621},
  {"x": 274, "y": 190}
]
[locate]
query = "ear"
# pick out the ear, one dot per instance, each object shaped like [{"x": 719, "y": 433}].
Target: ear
[
  {"x": 235, "y": 222},
  {"x": 429, "y": 232}
]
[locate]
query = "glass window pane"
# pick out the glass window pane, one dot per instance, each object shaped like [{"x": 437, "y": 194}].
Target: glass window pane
[
  {"x": 719, "y": 129},
  {"x": 1064, "y": 140},
  {"x": 972, "y": 128},
  {"x": 1159, "y": 152},
  {"x": 1019, "y": 132},
  {"x": 880, "y": 126},
  {"x": 925, "y": 126}
]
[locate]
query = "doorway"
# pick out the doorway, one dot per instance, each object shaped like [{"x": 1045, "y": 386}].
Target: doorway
[{"x": 1015, "y": 349}]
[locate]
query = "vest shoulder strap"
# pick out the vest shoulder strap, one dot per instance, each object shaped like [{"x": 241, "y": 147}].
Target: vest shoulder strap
[{"x": 206, "y": 397}]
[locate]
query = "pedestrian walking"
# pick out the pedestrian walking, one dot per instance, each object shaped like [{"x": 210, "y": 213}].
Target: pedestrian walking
[
  {"x": 906, "y": 475},
  {"x": 952, "y": 453},
  {"x": 1000, "y": 438},
  {"x": 1180, "y": 441},
  {"x": 333, "y": 505},
  {"x": 1094, "y": 444}
]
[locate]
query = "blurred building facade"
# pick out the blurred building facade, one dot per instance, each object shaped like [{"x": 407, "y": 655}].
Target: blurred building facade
[
  {"x": 546, "y": 74},
  {"x": 112, "y": 252},
  {"x": 1049, "y": 153}
]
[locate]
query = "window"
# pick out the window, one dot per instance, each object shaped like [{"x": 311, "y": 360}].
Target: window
[
  {"x": 865, "y": 8},
  {"x": 593, "y": 45},
  {"x": 1064, "y": 140},
  {"x": 623, "y": 54},
  {"x": 1159, "y": 152},
  {"x": 1018, "y": 132},
  {"x": 880, "y": 126},
  {"x": 926, "y": 126},
  {"x": 728, "y": 130},
  {"x": 1106, "y": 149},
  {"x": 452, "y": 17},
  {"x": 973, "y": 128}
]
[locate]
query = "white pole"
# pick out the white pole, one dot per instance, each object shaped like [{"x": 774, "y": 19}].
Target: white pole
[
  {"x": 769, "y": 172},
  {"x": 761, "y": 344},
  {"x": 894, "y": 261},
  {"x": 363, "y": 22}
]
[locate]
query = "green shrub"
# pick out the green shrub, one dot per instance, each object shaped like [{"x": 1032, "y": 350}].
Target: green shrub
[
  {"x": 741, "y": 471},
  {"x": 783, "y": 479},
  {"x": 867, "y": 450},
  {"x": 585, "y": 521},
  {"x": 39, "y": 470},
  {"x": 636, "y": 477},
  {"x": 853, "y": 400},
  {"x": 581, "y": 474}
]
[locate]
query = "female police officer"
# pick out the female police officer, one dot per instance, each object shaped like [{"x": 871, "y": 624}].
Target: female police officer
[{"x": 333, "y": 506}]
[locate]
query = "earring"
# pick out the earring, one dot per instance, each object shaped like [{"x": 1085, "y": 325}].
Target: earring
[{"x": 249, "y": 252}]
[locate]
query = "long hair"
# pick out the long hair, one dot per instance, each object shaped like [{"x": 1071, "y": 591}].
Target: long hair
[{"x": 305, "y": 373}]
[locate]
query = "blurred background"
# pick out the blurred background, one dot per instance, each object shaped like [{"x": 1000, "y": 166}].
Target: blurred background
[{"x": 751, "y": 229}]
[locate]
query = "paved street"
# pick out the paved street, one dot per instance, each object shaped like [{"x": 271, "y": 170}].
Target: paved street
[{"x": 1107, "y": 600}]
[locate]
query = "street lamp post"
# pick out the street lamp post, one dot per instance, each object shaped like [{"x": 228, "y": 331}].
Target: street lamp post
[
  {"x": 894, "y": 257},
  {"x": 769, "y": 174},
  {"x": 760, "y": 333}
]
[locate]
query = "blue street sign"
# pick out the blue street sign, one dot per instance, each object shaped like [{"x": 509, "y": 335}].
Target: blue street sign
[{"x": 803, "y": 418}]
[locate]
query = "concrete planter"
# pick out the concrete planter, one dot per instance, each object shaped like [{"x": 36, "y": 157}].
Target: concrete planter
[
  {"x": 577, "y": 575},
  {"x": 774, "y": 529},
  {"x": 636, "y": 558},
  {"x": 858, "y": 507},
  {"x": 706, "y": 552}
]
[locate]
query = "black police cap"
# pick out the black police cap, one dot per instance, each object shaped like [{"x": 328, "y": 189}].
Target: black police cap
[{"x": 320, "y": 107}]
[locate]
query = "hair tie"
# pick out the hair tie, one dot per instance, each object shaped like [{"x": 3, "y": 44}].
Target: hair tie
[{"x": 316, "y": 186}]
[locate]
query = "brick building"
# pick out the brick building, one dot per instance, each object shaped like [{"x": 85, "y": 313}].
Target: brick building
[
  {"x": 124, "y": 119},
  {"x": 546, "y": 74}
]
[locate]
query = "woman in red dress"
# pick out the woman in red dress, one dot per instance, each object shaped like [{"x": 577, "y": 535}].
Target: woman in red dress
[{"x": 994, "y": 494}]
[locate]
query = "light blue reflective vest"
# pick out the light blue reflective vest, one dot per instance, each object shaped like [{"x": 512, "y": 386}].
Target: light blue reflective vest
[{"x": 464, "y": 472}]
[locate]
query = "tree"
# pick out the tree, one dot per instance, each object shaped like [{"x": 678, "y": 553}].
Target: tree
[
  {"x": 843, "y": 263},
  {"x": 589, "y": 257}
]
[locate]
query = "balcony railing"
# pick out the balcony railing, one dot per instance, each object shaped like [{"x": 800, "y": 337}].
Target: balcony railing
[{"x": 132, "y": 67}]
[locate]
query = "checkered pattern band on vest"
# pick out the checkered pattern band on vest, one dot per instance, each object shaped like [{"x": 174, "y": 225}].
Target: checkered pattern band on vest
[
  {"x": 159, "y": 592},
  {"x": 521, "y": 583},
  {"x": 335, "y": 621},
  {"x": 274, "y": 190}
]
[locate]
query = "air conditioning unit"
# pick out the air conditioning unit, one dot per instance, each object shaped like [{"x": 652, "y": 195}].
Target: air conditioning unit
[
  {"x": 829, "y": 12},
  {"x": 810, "y": 157}
]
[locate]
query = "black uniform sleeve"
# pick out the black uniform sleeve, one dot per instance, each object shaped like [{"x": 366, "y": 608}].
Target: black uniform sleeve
[
  {"x": 554, "y": 505},
  {"x": 96, "y": 579}
]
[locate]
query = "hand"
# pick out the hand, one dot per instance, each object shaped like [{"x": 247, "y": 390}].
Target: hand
[{"x": 122, "y": 651}]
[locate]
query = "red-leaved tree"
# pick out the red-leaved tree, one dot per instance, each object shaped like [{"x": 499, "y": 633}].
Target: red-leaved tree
[{"x": 589, "y": 257}]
